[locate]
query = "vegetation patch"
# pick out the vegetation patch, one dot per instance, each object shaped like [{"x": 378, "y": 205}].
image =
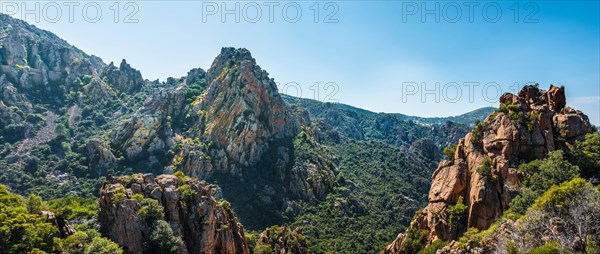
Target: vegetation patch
[
  {"x": 449, "y": 151},
  {"x": 485, "y": 170},
  {"x": 478, "y": 131}
]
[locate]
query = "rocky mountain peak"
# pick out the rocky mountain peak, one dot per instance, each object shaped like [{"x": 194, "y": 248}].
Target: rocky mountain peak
[
  {"x": 125, "y": 78},
  {"x": 228, "y": 58},
  {"x": 242, "y": 111},
  {"x": 484, "y": 171},
  {"x": 532, "y": 98}
]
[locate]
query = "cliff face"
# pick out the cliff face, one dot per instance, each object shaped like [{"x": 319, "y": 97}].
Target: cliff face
[
  {"x": 484, "y": 169},
  {"x": 203, "y": 225},
  {"x": 149, "y": 133},
  {"x": 241, "y": 111}
]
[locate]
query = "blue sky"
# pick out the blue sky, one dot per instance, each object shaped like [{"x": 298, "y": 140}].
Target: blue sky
[{"x": 377, "y": 55}]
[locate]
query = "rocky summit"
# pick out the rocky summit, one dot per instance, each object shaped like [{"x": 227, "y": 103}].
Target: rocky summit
[
  {"x": 242, "y": 111},
  {"x": 483, "y": 172}
]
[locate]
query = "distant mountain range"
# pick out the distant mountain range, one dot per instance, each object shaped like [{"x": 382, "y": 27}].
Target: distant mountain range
[{"x": 468, "y": 118}]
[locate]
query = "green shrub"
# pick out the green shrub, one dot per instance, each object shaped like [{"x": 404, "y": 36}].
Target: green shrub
[
  {"x": 225, "y": 204},
  {"x": 478, "y": 131},
  {"x": 193, "y": 90},
  {"x": 187, "y": 193},
  {"x": 101, "y": 245},
  {"x": 74, "y": 207},
  {"x": 557, "y": 195},
  {"x": 471, "y": 234},
  {"x": 119, "y": 195},
  {"x": 263, "y": 249},
  {"x": 449, "y": 151},
  {"x": 163, "y": 238},
  {"x": 485, "y": 170},
  {"x": 541, "y": 175},
  {"x": 128, "y": 180},
  {"x": 180, "y": 177},
  {"x": 586, "y": 155},
  {"x": 138, "y": 197},
  {"x": 433, "y": 247},
  {"x": 415, "y": 239},
  {"x": 73, "y": 243},
  {"x": 549, "y": 248},
  {"x": 456, "y": 211},
  {"x": 512, "y": 248},
  {"x": 531, "y": 119},
  {"x": 34, "y": 204},
  {"x": 151, "y": 210},
  {"x": 509, "y": 108}
]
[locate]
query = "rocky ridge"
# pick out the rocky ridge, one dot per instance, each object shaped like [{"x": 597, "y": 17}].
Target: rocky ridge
[
  {"x": 38, "y": 62},
  {"x": 484, "y": 171},
  {"x": 228, "y": 124}
]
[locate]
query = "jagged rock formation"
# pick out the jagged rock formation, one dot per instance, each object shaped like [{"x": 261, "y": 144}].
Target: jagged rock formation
[
  {"x": 99, "y": 156},
  {"x": 204, "y": 225},
  {"x": 241, "y": 111},
  {"x": 150, "y": 132},
  {"x": 484, "y": 169},
  {"x": 125, "y": 78}
]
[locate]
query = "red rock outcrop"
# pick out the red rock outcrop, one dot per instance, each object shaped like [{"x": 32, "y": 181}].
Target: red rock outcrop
[
  {"x": 525, "y": 127},
  {"x": 203, "y": 225}
]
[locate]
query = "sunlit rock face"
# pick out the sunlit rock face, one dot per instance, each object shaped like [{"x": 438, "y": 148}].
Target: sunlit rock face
[{"x": 526, "y": 127}]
